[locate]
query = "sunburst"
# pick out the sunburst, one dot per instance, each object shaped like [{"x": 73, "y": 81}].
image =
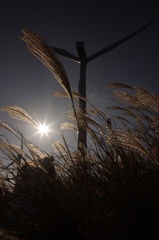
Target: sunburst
[{"x": 43, "y": 129}]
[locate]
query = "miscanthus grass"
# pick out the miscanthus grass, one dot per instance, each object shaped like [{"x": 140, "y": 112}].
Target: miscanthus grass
[{"x": 111, "y": 192}]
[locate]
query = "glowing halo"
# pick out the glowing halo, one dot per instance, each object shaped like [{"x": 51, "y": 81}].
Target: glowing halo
[{"x": 43, "y": 129}]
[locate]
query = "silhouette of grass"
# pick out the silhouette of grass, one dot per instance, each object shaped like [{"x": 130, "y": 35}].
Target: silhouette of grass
[{"x": 111, "y": 192}]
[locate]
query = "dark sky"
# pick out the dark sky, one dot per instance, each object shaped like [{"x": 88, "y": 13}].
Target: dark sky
[{"x": 25, "y": 82}]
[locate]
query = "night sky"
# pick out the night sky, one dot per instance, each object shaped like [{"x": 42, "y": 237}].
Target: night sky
[{"x": 25, "y": 82}]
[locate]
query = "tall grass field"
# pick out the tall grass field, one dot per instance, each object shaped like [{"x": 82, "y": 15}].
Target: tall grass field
[{"x": 107, "y": 190}]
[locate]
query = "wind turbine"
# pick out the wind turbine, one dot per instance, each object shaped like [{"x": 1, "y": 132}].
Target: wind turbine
[{"x": 82, "y": 59}]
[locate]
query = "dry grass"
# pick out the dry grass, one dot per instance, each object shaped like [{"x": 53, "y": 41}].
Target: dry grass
[
  {"x": 39, "y": 47},
  {"x": 109, "y": 193}
]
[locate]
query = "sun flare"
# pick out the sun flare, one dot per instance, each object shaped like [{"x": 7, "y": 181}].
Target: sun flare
[{"x": 43, "y": 129}]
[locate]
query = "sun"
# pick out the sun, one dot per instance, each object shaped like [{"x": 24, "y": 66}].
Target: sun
[{"x": 43, "y": 129}]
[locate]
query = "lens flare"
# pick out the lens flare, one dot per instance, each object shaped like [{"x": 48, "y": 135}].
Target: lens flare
[{"x": 43, "y": 129}]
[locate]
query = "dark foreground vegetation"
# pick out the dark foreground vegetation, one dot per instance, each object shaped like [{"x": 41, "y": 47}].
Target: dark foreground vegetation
[{"x": 110, "y": 190}]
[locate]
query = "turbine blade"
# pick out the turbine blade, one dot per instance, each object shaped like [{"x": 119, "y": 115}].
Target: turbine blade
[
  {"x": 65, "y": 53},
  {"x": 118, "y": 43}
]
